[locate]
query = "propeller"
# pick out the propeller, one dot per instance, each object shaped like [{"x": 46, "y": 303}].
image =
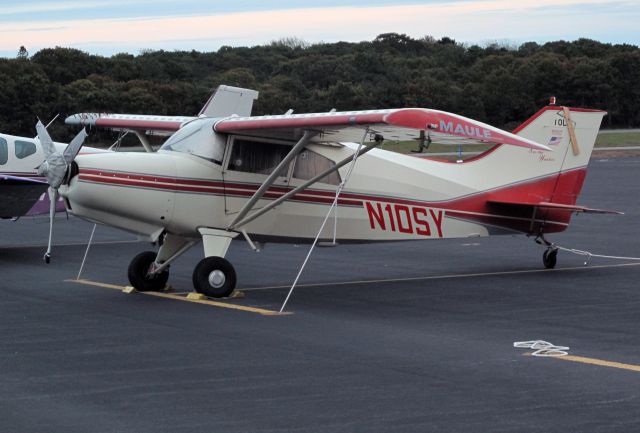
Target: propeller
[{"x": 54, "y": 169}]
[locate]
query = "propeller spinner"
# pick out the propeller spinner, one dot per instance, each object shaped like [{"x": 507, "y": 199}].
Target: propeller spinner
[{"x": 55, "y": 168}]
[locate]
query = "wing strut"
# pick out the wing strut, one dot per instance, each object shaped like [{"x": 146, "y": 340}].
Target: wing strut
[
  {"x": 305, "y": 185},
  {"x": 272, "y": 177},
  {"x": 144, "y": 141}
]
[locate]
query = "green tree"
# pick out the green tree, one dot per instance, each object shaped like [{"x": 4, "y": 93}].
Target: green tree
[{"x": 23, "y": 53}]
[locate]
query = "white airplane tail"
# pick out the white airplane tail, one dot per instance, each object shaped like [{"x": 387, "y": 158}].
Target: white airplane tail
[{"x": 570, "y": 132}]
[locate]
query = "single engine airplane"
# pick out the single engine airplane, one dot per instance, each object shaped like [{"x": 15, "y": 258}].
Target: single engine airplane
[
  {"x": 23, "y": 189},
  {"x": 31, "y": 166},
  {"x": 225, "y": 173}
]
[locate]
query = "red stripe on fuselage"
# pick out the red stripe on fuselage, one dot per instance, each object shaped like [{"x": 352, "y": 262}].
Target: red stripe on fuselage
[
  {"x": 207, "y": 187},
  {"x": 562, "y": 188}
]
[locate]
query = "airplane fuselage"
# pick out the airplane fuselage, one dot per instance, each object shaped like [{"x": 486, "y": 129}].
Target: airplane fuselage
[
  {"x": 20, "y": 156},
  {"x": 388, "y": 196}
]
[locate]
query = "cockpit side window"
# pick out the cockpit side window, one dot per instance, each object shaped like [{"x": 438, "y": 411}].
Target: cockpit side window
[
  {"x": 252, "y": 156},
  {"x": 309, "y": 164},
  {"x": 24, "y": 149},
  {"x": 4, "y": 151}
]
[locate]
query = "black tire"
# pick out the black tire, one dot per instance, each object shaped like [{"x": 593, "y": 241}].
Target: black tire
[
  {"x": 138, "y": 270},
  {"x": 225, "y": 275},
  {"x": 550, "y": 258}
]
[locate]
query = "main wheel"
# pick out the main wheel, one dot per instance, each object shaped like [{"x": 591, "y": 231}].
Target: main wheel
[
  {"x": 214, "y": 277},
  {"x": 139, "y": 273},
  {"x": 549, "y": 258}
]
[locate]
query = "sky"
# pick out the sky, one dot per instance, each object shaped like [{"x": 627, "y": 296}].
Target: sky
[{"x": 116, "y": 26}]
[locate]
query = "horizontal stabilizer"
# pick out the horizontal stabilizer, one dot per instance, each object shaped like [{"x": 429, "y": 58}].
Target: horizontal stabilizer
[{"x": 556, "y": 206}]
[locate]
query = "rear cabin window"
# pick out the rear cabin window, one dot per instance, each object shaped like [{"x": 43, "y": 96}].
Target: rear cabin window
[
  {"x": 24, "y": 149},
  {"x": 260, "y": 157},
  {"x": 4, "y": 151},
  {"x": 310, "y": 164}
]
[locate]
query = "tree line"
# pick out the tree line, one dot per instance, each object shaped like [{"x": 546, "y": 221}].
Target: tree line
[{"x": 497, "y": 84}]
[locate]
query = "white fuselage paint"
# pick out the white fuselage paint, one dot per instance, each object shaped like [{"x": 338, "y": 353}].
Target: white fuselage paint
[{"x": 27, "y": 165}]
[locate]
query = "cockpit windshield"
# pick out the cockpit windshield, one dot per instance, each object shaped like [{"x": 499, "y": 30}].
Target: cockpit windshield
[
  {"x": 198, "y": 138},
  {"x": 179, "y": 141}
]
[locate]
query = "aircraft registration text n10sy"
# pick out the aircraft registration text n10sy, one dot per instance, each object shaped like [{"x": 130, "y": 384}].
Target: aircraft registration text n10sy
[
  {"x": 224, "y": 173},
  {"x": 405, "y": 219}
]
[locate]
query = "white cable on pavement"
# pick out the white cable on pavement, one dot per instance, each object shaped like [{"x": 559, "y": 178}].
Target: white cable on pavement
[
  {"x": 589, "y": 254},
  {"x": 542, "y": 348}
]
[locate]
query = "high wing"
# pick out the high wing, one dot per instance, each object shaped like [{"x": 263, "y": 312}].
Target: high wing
[
  {"x": 395, "y": 124},
  {"x": 19, "y": 195}
]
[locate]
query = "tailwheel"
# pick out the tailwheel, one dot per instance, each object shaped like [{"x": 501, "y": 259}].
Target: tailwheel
[
  {"x": 214, "y": 277},
  {"x": 139, "y": 275},
  {"x": 550, "y": 257}
]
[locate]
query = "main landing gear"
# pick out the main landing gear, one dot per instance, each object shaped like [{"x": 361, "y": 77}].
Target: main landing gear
[
  {"x": 214, "y": 276},
  {"x": 141, "y": 276}
]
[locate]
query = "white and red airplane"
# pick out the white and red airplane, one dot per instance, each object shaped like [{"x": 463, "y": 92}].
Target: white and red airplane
[{"x": 225, "y": 174}]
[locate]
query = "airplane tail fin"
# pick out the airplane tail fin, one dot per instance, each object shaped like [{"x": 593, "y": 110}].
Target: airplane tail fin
[
  {"x": 571, "y": 133},
  {"x": 547, "y": 184},
  {"x": 568, "y": 131},
  {"x": 228, "y": 100}
]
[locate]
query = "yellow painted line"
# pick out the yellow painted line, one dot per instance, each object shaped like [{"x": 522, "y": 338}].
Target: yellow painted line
[
  {"x": 96, "y": 284},
  {"x": 594, "y": 361},
  {"x": 442, "y": 277},
  {"x": 177, "y": 297},
  {"x": 599, "y": 362},
  {"x": 217, "y": 304}
]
